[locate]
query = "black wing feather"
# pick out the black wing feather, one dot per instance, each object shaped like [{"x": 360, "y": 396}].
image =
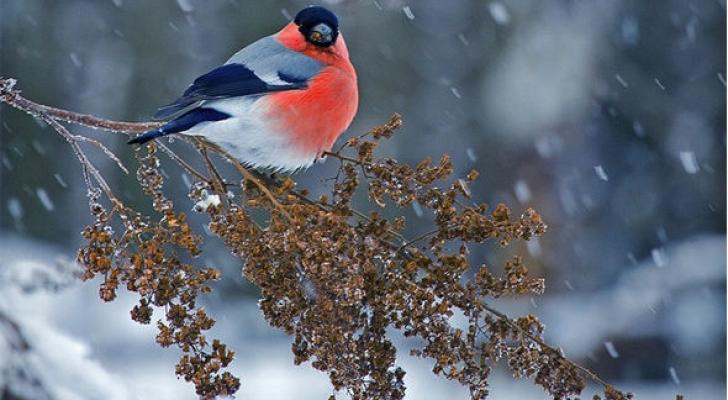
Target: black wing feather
[{"x": 230, "y": 80}]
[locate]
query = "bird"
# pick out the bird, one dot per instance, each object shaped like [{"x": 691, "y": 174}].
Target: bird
[{"x": 279, "y": 103}]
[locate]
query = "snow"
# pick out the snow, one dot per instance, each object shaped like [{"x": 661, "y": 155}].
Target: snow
[
  {"x": 630, "y": 30},
  {"x": 417, "y": 208},
  {"x": 658, "y": 257},
  {"x": 611, "y": 350},
  {"x": 548, "y": 145},
  {"x": 38, "y": 147},
  {"x": 523, "y": 193},
  {"x": 207, "y": 201},
  {"x": 185, "y": 5},
  {"x": 408, "y": 12},
  {"x": 463, "y": 39},
  {"x": 45, "y": 199},
  {"x": 83, "y": 348},
  {"x": 534, "y": 247},
  {"x": 622, "y": 309},
  {"x": 499, "y": 13},
  {"x": 186, "y": 180},
  {"x": 673, "y": 375},
  {"x": 15, "y": 208},
  {"x": 53, "y": 364},
  {"x": 74, "y": 57},
  {"x": 6, "y": 163},
  {"x": 286, "y": 14},
  {"x": 689, "y": 162},
  {"x": 60, "y": 180},
  {"x": 621, "y": 81},
  {"x": 471, "y": 154},
  {"x": 599, "y": 170}
]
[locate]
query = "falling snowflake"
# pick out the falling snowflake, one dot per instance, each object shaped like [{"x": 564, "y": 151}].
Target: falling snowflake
[
  {"x": 689, "y": 162},
  {"x": 499, "y": 13},
  {"x": 611, "y": 349},
  {"x": 408, "y": 12}
]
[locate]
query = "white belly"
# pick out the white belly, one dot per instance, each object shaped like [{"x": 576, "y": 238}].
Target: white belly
[{"x": 249, "y": 137}]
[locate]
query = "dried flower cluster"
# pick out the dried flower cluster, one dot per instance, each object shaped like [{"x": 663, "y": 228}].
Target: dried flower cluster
[
  {"x": 143, "y": 257},
  {"x": 334, "y": 278}
]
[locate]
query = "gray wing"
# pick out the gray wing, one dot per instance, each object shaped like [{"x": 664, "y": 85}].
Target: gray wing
[
  {"x": 273, "y": 62},
  {"x": 262, "y": 67}
]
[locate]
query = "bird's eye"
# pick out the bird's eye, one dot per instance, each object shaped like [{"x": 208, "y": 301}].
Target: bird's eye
[{"x": 321, "y": 35}]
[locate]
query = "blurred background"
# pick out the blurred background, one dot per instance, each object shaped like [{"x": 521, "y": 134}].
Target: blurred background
[{"x": 608, "y": 117}]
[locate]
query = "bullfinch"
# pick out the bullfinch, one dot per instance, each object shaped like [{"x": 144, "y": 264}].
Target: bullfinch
[{"x": 278, "y": 103}]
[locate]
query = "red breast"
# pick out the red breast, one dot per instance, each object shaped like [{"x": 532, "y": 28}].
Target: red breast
[{"x": 316, "y": 116}]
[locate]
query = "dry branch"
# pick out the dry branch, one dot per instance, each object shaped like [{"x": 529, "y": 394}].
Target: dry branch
[{"x": 333, "y": 277}]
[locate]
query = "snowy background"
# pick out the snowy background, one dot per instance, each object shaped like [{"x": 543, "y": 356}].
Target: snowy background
[{"x": 606, "y": 116}]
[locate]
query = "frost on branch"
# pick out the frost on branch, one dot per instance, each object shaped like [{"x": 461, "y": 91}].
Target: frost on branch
[{"x": 333, "y": 277}]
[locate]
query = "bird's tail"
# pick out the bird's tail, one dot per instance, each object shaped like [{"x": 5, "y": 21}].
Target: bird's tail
[
  {"x": 182, "y": 123},
  {"x": 147, "y": 136}
]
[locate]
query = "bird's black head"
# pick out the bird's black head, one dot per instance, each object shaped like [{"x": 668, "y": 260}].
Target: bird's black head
[{"x": 318, "y": 25}]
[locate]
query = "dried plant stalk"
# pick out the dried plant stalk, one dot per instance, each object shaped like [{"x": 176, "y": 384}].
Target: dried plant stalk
[{"x": 332, "y": 277}]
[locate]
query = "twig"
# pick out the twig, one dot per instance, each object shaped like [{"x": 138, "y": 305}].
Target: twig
[
  {"x": 12, "y": 97},
  {"x": 345, "y": 158},
  {"x": 103, "y": 148},
  {"x": 85, "y": 162},
  {"x": 182, "y": 163},
  {"x": 418, "y": 238},
  {"x": 593, "y": 376},
  {"x": 247, "y": 175},
  {"x": 218, "y": 183}
]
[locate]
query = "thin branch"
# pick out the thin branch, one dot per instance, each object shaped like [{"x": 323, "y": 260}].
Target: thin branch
[
  {"x": 249, "y": 176},
  {"x": 345, "y": 158},
  {"x": 12, "y": 97},
  {"x": 218, "y": 183},
  {"x": 592, "y": 375},
  {"x": 103, "y": 148},
  {"x": 82, "y": 158},
  {"x": 418, "y": 238},
  {"x": 182, "y": 163}
]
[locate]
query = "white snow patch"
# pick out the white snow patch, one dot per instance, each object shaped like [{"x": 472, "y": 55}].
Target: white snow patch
[
  {"x": 689, "y": 162},
  {"x": 417, "y": 208},
  {"x": 60, "y": 180},
  {"x": 673, "y": 376},
  {"x": 207, "y": 201},
  {"x": 75, "y": 60},
  {"x": 45, "y": 199},
  {"x": 534, "y": 247},
  {"x": 15, "y": 208},
  {"x": 523, "y": 193},
  {"x": 611, "y": 349},
  {"x": 658, "y": 257},
  {"x": 621, "y": 81},
  {"x": 471, "y": 154},
  {"x": 499, "y": 13},
  {"x": 601, "y": 173},
  {"x": 185, "y": 5},
  {"x": 408, "y": 12}
]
